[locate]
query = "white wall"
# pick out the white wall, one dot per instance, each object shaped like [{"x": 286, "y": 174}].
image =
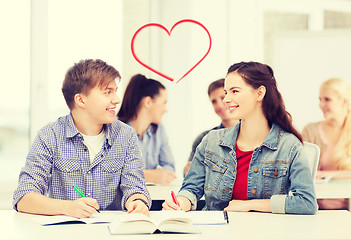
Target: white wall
[
  {"x": 302, "y": 61},
  {"x": 234, "y": 27}
]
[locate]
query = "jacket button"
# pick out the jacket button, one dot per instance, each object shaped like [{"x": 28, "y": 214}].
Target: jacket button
[
  {"x": 255, "y": 169},
  {"x": 276, "y": 172},
  {"x": 253, "y": 191}
]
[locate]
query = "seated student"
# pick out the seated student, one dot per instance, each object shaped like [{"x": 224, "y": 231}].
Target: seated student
[
  {"x": 143, "y": 106},
  {"x": 216, "y": 94},
  {"x": 258, "y": 165},
  {"x": 87, "y": 148},
  {"x": 333, "y": 135}
]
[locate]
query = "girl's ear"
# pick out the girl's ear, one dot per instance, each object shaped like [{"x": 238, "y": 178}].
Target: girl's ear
[
  {"x": 146, "y": 101},
  {"x": 261, "y": 92},
  {"x": 79, "y": 100}
]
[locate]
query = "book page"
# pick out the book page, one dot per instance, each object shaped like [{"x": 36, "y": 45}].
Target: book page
[
  {"x": 165, "y": 221},
  {"x": 161, "y": 217},
  {"x": 132, "y": 223}
]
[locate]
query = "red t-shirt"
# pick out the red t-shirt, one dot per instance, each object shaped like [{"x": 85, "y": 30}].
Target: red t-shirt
[{"x": 242, "y": 172}]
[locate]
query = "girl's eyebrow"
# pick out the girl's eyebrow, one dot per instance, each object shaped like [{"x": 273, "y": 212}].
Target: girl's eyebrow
[{"x": 232, "y": 88}]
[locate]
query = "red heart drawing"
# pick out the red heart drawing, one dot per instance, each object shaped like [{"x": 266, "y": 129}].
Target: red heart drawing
[{"x": 169, "y": 34}]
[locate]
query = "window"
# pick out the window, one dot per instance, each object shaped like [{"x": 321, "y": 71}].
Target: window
[{"x": 15, "y": 87}]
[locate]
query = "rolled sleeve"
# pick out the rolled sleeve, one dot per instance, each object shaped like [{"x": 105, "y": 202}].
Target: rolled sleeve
[
  {"x": 277, "y": 203},
  {"x": 190, "y": 196},
  {"x": 166, "y": 159}
]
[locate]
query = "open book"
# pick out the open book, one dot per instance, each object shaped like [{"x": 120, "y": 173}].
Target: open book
[
  {"x": 162, "y": 221},
  {"x": 63, "y": 219}
]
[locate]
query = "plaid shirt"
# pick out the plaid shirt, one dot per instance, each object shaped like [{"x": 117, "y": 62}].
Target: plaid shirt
[{"x": 59, "y": 160}]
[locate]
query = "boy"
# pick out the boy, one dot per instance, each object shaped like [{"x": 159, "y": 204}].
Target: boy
[{"x": 88, "y": 149}]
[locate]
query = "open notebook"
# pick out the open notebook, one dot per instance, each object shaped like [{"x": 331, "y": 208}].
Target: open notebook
[{"x": 63, "y": 219}]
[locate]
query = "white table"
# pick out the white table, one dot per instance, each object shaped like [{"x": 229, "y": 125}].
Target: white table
[
  {"x": 332, "y": 189},
  {"x": 253, "y": 225}
]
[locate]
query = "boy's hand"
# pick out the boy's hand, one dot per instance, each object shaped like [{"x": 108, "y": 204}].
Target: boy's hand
[
  {"x": 81, "y": 208},
  {"x": 137, "y": 206}
]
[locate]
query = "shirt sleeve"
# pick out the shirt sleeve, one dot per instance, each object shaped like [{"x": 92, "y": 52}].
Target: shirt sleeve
[
  {"x": 132, "y": 178},
  {"x": 35, "y": 175},
  {"x": 166, "y": 159}
]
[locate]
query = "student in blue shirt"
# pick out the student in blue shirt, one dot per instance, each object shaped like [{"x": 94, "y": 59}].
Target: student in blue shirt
[
  {"x": 88, "y": 149},
  {"x": 264, "y": 153},
  {"x": 216, "y": 95},
  {"x": 143, "y": 105}
]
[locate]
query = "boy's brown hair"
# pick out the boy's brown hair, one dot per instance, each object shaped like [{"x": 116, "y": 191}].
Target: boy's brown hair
[{"x": 84, "y": 76}]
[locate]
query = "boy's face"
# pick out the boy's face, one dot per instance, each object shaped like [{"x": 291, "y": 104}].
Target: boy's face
[
  {"x": 216, "y": 98},
  {"x": 100, "y": 103}
]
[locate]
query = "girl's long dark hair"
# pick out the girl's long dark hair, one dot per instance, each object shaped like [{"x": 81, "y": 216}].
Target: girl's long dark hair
[
  {"x": 257, "y": 74},
  {"x": 138, "y": 87}
]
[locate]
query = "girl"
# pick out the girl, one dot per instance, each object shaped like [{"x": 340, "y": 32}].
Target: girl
[
  {"x": 333, "y": 136},
  {"x": 259, "y": 164},
  {"x": 143, "y": 106}
]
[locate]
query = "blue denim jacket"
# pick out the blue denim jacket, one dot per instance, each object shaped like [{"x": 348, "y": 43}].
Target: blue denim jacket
[{"x": 278, "y": 171}]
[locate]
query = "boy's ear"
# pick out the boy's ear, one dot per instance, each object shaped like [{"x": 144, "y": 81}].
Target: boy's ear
[
  {"x": 261, "y": 92},
  {"x": 79, "y": 100}
]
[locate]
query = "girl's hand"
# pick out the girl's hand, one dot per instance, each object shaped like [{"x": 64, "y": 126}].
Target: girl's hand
[
  {"x": 238, "y": 206},
  {"x": 183, "y": 202}
]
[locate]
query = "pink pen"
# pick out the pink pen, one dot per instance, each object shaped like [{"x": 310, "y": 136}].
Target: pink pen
[{"x": 174, "y": 198}]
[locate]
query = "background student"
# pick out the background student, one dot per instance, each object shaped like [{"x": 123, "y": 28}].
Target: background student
[
  {"x": 87, "y": 148},
  {"x": 333, "y": 135},
  {"x": 143, "y": 106},
  {"x": 216, "y": 94},
  {"x": 257, "y": 165}
]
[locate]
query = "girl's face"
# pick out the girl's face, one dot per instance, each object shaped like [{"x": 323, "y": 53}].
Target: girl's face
[
  {"x": 241, "y": 98},
  {"x": 158, "y": 106},
  {"x": 331, "y": 104}
]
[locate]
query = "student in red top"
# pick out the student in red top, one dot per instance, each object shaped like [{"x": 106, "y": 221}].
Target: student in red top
[{"x": 258, "y": 165}]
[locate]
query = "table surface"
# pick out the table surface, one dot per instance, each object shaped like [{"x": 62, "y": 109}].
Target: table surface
[
  {"x": 332, "y": 189},
  {"x": 253, "y": 225}
]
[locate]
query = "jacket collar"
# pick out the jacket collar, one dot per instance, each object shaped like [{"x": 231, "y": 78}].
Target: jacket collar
[{"x": 271, "y": 141}]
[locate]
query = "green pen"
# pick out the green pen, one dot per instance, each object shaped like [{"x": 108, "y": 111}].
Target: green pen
[{"x": 82, "y": 194}]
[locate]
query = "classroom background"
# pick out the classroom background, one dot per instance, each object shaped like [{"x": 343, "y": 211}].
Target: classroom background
[{"x": 305, "y": 41}]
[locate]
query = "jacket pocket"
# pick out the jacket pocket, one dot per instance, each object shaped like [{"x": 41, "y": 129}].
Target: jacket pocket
[
  {"x": 215, "y": 169},
  {"x": 274, "y": 180}
]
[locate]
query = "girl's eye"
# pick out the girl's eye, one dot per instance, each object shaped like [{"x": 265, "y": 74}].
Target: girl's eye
[{"x": 234, "y": 91}]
